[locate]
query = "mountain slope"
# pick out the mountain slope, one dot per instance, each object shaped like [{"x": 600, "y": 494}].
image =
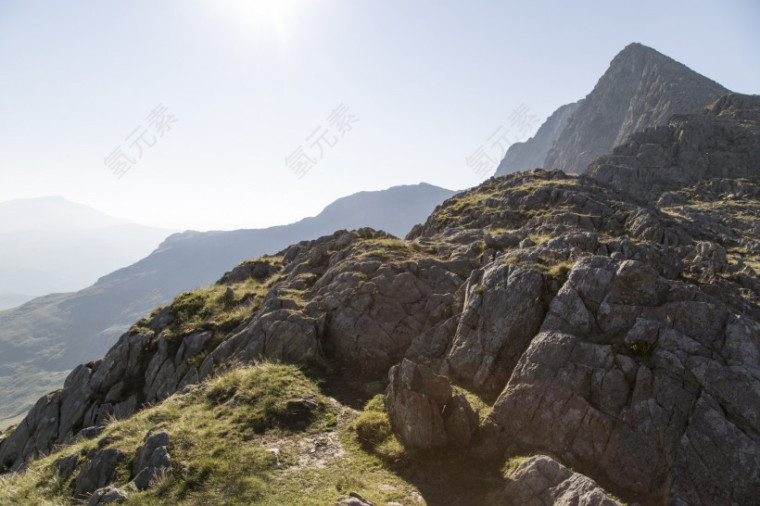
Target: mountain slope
[
  {"x": 641, "y": 88},
  {"x": 583, "y": 323},
  {"x": 53, "y": 245},
  {"x": 56, "y": 332}
]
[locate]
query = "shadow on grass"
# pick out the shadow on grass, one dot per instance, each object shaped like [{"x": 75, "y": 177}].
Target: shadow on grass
[{"x": 447, "y": 476}]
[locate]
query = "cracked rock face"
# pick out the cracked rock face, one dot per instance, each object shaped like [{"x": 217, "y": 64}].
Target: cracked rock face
[
  {"x": 503, "y": 310},
  {"x": 636, "y": 378}
]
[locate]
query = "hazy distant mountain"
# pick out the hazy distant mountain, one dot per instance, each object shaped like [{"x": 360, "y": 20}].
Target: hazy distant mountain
[
  {"x": 641, "y": 88},
  {"x": 56, "y": 332},
  {"x": 50, "y": 244},
  {"x": 9, "y": 300}
]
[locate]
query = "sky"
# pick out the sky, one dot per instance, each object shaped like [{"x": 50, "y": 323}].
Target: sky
[{"x": 225, "y": 114}]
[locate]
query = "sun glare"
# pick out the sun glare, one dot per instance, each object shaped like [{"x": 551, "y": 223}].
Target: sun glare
[{"x": 264, "y": 18}]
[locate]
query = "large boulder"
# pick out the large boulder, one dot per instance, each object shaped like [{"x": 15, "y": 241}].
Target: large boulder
[
  {"x": 422, "y": 410},
  {"x": 542, "y": 481},
  {"x": 415, "y": 400}
]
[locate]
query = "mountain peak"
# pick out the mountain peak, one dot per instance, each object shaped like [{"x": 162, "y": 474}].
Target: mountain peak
[
  {"x": 641, "y": 88},
  {"x": 637, "y": 48}
]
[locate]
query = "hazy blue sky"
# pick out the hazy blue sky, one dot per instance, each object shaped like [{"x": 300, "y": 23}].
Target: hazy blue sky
[{"x": 423, "y": 85}]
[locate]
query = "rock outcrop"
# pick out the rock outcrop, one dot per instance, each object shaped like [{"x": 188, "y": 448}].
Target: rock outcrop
[
  {"x": 722, "y": 141},
  {"x": 423, "y": 411},
  {"x": 97, "y": 471},
  {"x": 107, "y": 495},
  {"x": 634, "y": 377},
  {"x": 542, "y": 481},
  {"x": 50, "y": 335},
  {"x": 152, "y": 460}
]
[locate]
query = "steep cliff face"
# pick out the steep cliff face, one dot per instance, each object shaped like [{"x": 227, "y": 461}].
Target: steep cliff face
[
  {"x": 722, "y": 141},
  {"x": 532, "y": 153},
  {"x": 641, "y": 88}
]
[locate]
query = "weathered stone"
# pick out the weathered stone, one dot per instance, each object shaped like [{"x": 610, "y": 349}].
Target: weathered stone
[
  {"x": 542, "y": 481},
  {"x": 460, "y": 421},
  {"x": 107, "y": 495},
  {"x": 66, "y": 465},
  {"x": 502, "y": 312},
  {"x": 628, "y": 410},
  {"x": 415, "y": 402},
  {"x": 156, "y": 466},
  {"x": 97, "y": 471},
  {"x": 720, "y": 142},
  {"x": 145, "y": 452}
]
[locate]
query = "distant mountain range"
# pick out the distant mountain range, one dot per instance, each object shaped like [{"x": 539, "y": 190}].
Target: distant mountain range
[
  {"x": 51, "y": 245},
  {"x": 641, "y": 88},
  {"x": 52, "y": 334}
]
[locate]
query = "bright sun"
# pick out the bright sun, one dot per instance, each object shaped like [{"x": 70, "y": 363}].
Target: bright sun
[{"x": 263, "y": 17}]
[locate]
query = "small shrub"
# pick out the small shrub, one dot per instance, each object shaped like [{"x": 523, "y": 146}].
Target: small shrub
[
  {"x": 372, "y": 425},
  {"x": 641, "y": 348},
  {"x": 511, "y": 465}
]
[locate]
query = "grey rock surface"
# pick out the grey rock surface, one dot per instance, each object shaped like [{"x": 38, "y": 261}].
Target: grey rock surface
[
  {"x": 722, "y": 141},
  {"x": 107, "y": 495},
  {"x": 415, "y": 401},
  {"x": 504, "y": 308},
  {"x": 156, "y": 466},
  {"x": 542, "y": 481},
  {"x": 635, "y": 382},
  {"x": 97, "y": 471}
]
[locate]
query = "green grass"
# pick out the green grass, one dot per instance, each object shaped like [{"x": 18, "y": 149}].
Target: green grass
[
  {"x": 372, "y": 425},
  {"x": 218, "y": 307},
  {"x": 476, "y": 402},
  {"x": 221, "y": 435},
  {"x": 512, "y": 463}
]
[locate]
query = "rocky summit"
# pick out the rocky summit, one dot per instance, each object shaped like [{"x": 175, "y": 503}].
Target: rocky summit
[
  {"x": 542, "y": 338},
  {"x": 641, "y": 88}
]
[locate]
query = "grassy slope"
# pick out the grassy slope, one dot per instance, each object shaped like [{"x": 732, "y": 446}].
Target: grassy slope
[{"x": 220, "y": 436}]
